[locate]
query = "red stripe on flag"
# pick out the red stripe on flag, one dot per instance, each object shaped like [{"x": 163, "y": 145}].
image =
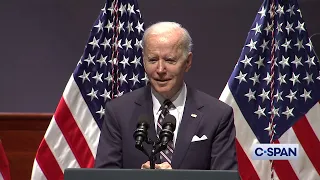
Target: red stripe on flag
[
  {"x": 73, "y": 135},
  {"x": 308, "y": 141},
  {"x": 47, "y": 162},
  {"x": 246, "y": 169},
  {"x": 4, "y": 164},
  {"x": 284, "y": 169}
]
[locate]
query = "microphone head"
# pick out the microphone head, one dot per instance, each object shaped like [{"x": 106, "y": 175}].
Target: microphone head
[
  {"x": 170, "y": 119},
  {"x": 143, "y": 120}
]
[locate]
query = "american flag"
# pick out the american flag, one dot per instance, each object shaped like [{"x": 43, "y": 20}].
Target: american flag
[
  {"x": 4, "y": 165},
  {"x": 274, "y": 91},
  {"x": 110, "y": 66}
]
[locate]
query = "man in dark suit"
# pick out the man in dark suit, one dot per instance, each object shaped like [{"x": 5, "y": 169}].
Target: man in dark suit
[{"x": 204, "y": 137}]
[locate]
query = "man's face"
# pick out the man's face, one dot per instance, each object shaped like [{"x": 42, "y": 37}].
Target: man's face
[{"x": 165, "y": 63}]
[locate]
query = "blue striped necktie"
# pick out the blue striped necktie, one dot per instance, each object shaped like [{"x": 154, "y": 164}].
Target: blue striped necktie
[{"x": 165, "y": 155}]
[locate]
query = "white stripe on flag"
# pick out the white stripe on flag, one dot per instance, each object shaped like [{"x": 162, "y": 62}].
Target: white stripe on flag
[
  {"x": 313, "y": 117},
  {"x": 1, "y": 177},
  {"x": 82, "y": 115},
  {"x": 303, "y": 167},
  {"x": 59, "y": 147},
  {"x": 37, "y": 173},
  {"x": 245, "y": 135}
]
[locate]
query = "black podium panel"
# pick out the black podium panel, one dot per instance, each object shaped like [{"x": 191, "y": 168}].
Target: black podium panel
[{"x": 144, "y": 174}]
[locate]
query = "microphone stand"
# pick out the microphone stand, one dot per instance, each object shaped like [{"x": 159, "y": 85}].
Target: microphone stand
[{"x": 156, "y": 148}]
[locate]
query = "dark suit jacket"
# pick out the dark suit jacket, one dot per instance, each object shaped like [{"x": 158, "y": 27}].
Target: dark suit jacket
[{"x": 214, "y": 119}]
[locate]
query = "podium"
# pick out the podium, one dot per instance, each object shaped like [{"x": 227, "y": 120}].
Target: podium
[{"x": 148, "y": 174}]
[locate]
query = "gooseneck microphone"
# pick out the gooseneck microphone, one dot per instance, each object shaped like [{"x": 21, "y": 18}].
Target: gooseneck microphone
[
  {"x": 141, "y": 133},
  {"x": 168, "y": 127}
]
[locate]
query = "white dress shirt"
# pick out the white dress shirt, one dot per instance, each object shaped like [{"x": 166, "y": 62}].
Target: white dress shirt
[{"x": 178, "y": 101}]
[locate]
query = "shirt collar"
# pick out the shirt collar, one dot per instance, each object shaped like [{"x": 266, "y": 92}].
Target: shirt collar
[{"x": 177, "y": 100}]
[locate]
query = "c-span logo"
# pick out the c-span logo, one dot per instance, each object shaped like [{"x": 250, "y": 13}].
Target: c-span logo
[{"x": 275, "y": 151}]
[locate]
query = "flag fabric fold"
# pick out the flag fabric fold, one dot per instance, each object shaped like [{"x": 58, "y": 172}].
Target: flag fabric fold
[
  {"x": 4, "y": 165},
  {"x": 110, "y": 66},
  {"x": 274, "y": 92}
]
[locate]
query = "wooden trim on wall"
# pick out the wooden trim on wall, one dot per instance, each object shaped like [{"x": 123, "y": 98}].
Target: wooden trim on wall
[{"x": 21, "y": 134}]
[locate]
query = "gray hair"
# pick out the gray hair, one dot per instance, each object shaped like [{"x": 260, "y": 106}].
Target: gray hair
[{"x": 186, "y": 38}]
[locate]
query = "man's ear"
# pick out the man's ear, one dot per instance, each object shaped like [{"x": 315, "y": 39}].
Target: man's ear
[{"x": 189, "y": 61}]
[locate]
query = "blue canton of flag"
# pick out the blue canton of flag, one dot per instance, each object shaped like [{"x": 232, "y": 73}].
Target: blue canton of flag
[
  {"x": 277, "y": 75},
  {"x": 112, "y": 61}
]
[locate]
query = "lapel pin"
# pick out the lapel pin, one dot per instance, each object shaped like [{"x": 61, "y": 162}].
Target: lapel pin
[{"x": 193, "y": 115}]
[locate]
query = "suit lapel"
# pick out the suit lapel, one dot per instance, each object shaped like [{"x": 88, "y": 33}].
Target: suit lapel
[
  {"x": 187, "y": 128},
  {"x": 144, "y": 105}
]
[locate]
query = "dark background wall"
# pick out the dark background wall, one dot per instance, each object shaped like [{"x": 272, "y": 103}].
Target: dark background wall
[{"x": 42, "y": 41}]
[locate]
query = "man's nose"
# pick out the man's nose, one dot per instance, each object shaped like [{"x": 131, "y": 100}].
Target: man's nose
[{"x": 161, "y": 68}]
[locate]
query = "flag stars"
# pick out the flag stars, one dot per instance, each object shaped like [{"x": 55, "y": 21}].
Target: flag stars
[
  {"x": 269, "y": 28},
  {"x": 257, "y": 29},
  {"x": 271, "y": 128},
  {"x": 106, "y": 95},
  {"x": 286, "y": 45},
  {"x": 122, "y": 9},
  {"x": 138, "y": 44},
  {"x": 250, "y": 95},
  {"x": 136, "y": 61},
  {"x": 289, "y": 27},
  {"x": 131, "y": 9},
  {"x": 297, "y": 61},
  {"x": 284, "y": 62},
  {"x": 241, "y": 77},
  {"x": 299, "y": 44},
  {"x": 260, "y": 112},
  {"x": 268, "y": 78},
  {"x": 310, "y": 61},
  {"x": 306, "y": 95},
  {"x": 109, "y": 78},
  {"x": 264, "y": 45},
  {"x": 294, "y": 78},
  {"x": 280, "y": 10},
  {"x": 120, "y": 27},
  {"x": 122, "y": 78},
  {"x": 291, "y": 10},
  {"x": 101, "y": 112},
  {"x": 260, "y": 62},
  {"x": 125, "y": 61},
  {"x": 102, "y": 60},
  {"x": 99, "y": 26},
  {"x": 93, "y": 94},
  {"x": 262, "y": 12},
  {"x": 255, "y": 78},
  {"x": 98, "y": 77},
  {"x": 279, "y": 27},
  {"x": 109, "y": 26},
  {"x": 274, "y": 111},
  {"x": 127, "y": 44},
  {"x": 310, "y": 45},
  {"x": 94, "y": 43},
  {"x": 308, "y": 78},
  {"x": 282, "y": 78},
  {"x": 246, "y": 61},
  {"x": 84, "y": 76},
  {"x": 106, "y": 43},
  {"x": 288, "y": 112},
  {"x": 252, "y": 45},
  {"x": 134, "y": 79},
  {"x": 278, "y": 95},
  {"x": 291, "y": 95},
  {"x": 300, "y": 27},
  {"x": 264, "y": 95},
  {"x": 130, "y": 27},
  {"x": 89, "y": 60},
  {"x": 139, "y": 27},
  {"x": 145, "y": 79}
]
